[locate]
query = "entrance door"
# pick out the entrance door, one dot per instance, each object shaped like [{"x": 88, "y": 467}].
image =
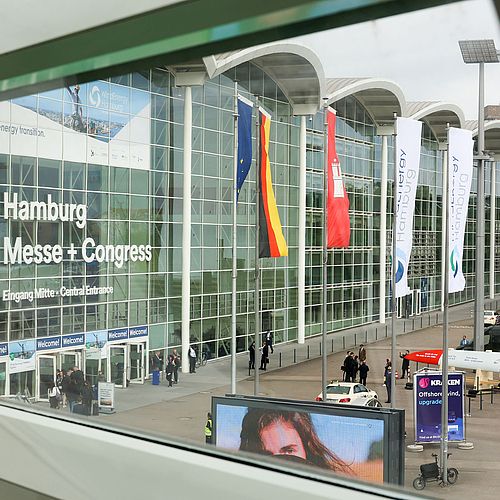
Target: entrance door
[
  {"x": 70, "y": 359},
  {"x": 117, "y": 365},
  {"x": 3, "y": 379},
  {"x": 46, "y": 370},
  {"x": 137, "y": 363}
]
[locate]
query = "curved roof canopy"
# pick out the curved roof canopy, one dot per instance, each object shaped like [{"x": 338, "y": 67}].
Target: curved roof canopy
[
  {"x": 381, "y": 98},
  {"x": 296, "y": 69},
  {"x": 491, "y": 134},
  {"x": 437, "y": 115}
]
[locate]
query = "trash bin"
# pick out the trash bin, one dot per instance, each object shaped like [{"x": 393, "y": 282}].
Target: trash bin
[{"x": 155, "y": 379}]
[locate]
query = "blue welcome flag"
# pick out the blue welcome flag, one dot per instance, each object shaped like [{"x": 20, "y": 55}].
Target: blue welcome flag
[{"x": 244, "y": 140}]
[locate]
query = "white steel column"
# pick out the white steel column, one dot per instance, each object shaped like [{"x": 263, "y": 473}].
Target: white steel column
[
  {"x": 302, "y": 233},
  {"x": 186, "y": 228},
  {"x": 383, "y": 229},
  {"x": 444, "y": 234},
  {"x": 492, "y": 227}
]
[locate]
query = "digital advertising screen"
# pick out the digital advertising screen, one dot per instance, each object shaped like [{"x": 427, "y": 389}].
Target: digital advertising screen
[
  {"x": 363, "y": 443},
  {"x": 428, "y": 400}
]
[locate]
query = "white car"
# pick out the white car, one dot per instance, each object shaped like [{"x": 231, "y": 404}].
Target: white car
[
  {"x": 490, "y": 317},
  {"x": 350, "y": 393}
]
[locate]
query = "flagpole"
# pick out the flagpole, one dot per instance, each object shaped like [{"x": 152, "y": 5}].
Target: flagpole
[
  {"x": 394, "y": 269},
  {"x": 444, "y": 358},
  {"x": 257, "y": 249},
  {"x": 324, "y": 366},
  {"x": 235, "y": 270}
]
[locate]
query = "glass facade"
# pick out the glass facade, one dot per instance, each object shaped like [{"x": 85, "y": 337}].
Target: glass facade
[{"x": 114, "y": 150}]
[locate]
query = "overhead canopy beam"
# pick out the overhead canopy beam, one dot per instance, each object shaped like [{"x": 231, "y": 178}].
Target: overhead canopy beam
[{"x": 174, "y": 33}]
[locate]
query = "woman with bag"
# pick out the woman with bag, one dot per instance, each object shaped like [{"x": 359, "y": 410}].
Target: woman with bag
[{"x": 54, "y": 396}]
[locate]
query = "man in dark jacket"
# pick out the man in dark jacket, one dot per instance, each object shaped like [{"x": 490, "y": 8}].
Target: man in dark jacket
[
  {"x": 363, "y": 372},
  {"x": 264, "y": 359},
  {"x": 251, "y": 352}
]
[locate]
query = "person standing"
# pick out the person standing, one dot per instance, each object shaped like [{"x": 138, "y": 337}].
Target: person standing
[
  {"x": 54, "y": 395},
  {"x": 362, "y": 353},
  {"x": 363, "y": 372},
  {"x": 269, "y": 340},
  {"x": 169, "y": 369},
  {"x": 208, "y": 429},
  {"x": 355, "y": 368},
  {"x": 177, "y": 365},
  {"x": 345, "y": 366},
  {"x": 405, "y": 365},
  {"x": 192, "y": 359},
  {"x": 264, "y": 359},
  {"x": 387, "y": 379},
  {"x": 87, "y": 397},
  {"x": 251, "y": 352}
]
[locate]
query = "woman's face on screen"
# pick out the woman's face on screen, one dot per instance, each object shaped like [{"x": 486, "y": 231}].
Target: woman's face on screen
[{"x": 281, "y": 438}]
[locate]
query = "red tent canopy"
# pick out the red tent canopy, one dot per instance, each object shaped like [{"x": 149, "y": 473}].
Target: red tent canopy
[{"x": 430, "y": 357}]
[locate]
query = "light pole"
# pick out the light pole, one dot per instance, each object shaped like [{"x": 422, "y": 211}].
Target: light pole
[{"x": 479, "y": 52}]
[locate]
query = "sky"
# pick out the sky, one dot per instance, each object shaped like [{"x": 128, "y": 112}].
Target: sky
[{"x": 418, "y": 51}]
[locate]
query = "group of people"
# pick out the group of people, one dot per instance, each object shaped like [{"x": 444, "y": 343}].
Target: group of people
[
  {"x": 354, "y": 364},
  {"x": 172, "y": 366},
  {"x": 267, "y": 345},
  {"x": 71, "y": 389}
]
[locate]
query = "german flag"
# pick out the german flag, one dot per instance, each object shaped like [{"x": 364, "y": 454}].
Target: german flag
[{"x": 271, "y": 239}]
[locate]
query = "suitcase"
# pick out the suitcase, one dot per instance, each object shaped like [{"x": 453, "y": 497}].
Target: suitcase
[{"x": 80, "y": 409}]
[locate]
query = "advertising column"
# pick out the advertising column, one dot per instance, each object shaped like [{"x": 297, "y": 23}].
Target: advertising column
[{"x": 428, "y": 396}]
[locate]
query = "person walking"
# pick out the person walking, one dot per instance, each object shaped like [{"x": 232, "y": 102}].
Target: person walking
[
  {"x": 387, "y": 379},
  {"x": 362, "y": 353},
  {"x": 363, "y": 372},
  {"x": 208, "y": 429},
  {"x": 169, "y": 369},
  {"x": 264, "y": 359},
  {"x": 54, "y": 395},
  {"x": 269, "y": 340},
  {"x": 405, "y": 366},
  {"x": 251, "y": 353},
  {"x": 192, "y": 359},
  {"x": 177, "y": 365}
]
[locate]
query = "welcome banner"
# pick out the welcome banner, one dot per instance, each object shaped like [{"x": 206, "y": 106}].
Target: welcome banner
[
  {"x": 460, "y": 151},
  {"x": 407, "y": 165}
]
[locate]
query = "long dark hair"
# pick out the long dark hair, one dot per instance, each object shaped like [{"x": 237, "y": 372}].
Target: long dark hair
[{"x": 256, "y": 420}]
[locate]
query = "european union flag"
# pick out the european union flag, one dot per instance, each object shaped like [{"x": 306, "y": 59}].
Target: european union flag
[{"x": 244, "y": 140}]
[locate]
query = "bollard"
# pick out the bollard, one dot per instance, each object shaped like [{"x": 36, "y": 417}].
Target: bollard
[
  {"x": 280, "y": 359},
  {"x": 332, "y": 345},
  {"x": 413, "y": 324},
  {"x": 491, "y": 396},
  {"x": 343, "y": 343},
  {"x": 404, "y": 327},
  {"x": 355, "y": 340},
  {"x": 320, "y": 348},
  {"x": 295, "y": 356},
  {"x": 376, "y": 333},
  {"x": 307, "y": 351}
]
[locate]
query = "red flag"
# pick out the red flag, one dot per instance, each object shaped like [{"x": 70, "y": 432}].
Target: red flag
[
  {"x": 339, "y": 226},
  {"x": 430, "y": 357}
]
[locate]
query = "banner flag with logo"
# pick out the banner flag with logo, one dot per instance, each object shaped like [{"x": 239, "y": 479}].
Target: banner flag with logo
[
  {"x": 407, "y": 157},
  {"x": 271, "y": 239},
  {"x": 460, "y": 153},
  {"x": 244, "y": 140},
  {"x": 339, "y": 226}
]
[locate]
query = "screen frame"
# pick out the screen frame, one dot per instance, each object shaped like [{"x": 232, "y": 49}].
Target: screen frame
[{"x": 393, "y": 419}]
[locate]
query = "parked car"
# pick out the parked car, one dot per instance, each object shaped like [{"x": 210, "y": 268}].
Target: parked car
[
  {"x": 491, "y": 340},
  {"x": 490, "y": 317},
  {"x": 350, "y": 393}
]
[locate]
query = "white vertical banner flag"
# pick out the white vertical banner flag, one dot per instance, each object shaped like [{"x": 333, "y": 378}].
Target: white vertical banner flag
[
  {"x": 460, "y": 152},
  {"x": 407, "y": 157}
]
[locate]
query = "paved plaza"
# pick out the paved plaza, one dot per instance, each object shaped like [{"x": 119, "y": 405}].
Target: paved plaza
[{"x": 179, "y": 412}]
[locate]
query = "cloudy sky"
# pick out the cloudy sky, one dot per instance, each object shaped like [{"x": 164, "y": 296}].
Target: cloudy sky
[{"x": 419, "y": 51}]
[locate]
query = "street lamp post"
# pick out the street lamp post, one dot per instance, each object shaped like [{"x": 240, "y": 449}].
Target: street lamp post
[{"x": 479, "y": 52}]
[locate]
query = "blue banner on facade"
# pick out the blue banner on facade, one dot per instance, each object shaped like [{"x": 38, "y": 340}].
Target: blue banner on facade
[
  {"x": 48, "y": 343},
  {"x": 137, "y": 331},
  {"x": 118, "y": 334},
  {"x": 73, "y": 340},
  {"x": 428, "y": 398},
  {"x": 4, "y": 349}
]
